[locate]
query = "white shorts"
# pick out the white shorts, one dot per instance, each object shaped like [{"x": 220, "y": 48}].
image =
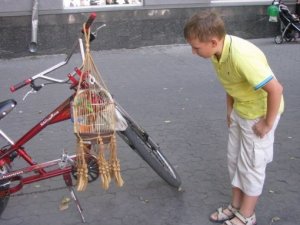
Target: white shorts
[{"x": 248, "y": 155}]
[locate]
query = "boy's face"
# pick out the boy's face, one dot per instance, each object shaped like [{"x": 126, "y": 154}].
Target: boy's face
[{"x": 203, "y": 49}]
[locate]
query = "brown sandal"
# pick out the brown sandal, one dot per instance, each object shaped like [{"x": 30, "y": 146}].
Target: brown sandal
[{"x": 221, "y": 216}]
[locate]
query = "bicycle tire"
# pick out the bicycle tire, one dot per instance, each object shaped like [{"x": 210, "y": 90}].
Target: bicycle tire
[
  {"x": 3, "y": 203},
  {"x": 152, "y": 156},
  {"x": 4, "y": 186}
]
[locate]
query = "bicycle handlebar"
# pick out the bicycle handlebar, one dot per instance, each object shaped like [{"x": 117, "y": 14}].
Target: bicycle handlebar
[{"x": 25, "y": 82}]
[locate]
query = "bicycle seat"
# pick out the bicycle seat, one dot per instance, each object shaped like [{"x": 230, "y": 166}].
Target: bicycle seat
[{"x": 6, "y": 106}]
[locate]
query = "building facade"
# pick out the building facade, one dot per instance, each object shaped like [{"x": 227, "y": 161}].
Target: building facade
[{"x": 129, "y": 23}]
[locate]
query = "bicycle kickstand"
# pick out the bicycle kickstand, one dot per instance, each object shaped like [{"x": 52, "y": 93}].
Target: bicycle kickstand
[{"x": 68, "y": 181}]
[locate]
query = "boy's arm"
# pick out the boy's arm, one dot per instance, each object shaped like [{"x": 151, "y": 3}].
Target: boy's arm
[
  {"x": 229, "y": 104},
  {"x": 274, "y": 90}
]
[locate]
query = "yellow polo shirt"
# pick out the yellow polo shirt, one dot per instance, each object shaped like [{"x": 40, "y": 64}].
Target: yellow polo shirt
[{"x": 243, "y": 70}]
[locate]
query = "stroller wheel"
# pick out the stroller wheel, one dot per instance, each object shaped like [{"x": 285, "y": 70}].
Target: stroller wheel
[
  {"x": 288, "y": 37},
  {"x": 278, "y": 39}
]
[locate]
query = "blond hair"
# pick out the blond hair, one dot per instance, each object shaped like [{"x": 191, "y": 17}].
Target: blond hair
[{"x": 204, "y": 26}]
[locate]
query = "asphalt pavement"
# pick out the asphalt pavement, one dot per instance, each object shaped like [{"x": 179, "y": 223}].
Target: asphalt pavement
[{"x": 176, "y": 97}]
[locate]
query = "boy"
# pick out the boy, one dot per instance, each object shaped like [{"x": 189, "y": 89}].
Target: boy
[{"x": 254, "y": 104}]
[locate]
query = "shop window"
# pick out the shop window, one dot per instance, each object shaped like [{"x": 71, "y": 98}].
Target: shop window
[{"x": 100, "y": 3}]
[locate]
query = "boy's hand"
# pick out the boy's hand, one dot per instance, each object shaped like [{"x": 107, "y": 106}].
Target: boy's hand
[
  {"x": 228, "y": 119},
  {"x": 261, "y": 128}
]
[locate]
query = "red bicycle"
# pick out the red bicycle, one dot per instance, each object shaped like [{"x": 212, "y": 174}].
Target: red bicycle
[{"x": 13, "y": 179}]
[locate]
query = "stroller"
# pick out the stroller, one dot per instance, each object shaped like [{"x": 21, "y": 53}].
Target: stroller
[{"x": 290, "y": 24}]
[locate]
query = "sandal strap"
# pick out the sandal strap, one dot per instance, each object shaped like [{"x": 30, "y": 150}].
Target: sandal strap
[
  {"x": 228, "y": 222},
  {"x": 246, "y": 220},
  {"x": 224, "y": 216},
  {"x": 231, "y": 208},
  {"x": 221, "y": 215}
]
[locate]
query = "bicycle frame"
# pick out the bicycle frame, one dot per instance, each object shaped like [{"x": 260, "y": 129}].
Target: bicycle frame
[
  {"x": 133, "y": 135},
  {"x": 61, "y": 113},
  {"x": 59, "y": 167}
]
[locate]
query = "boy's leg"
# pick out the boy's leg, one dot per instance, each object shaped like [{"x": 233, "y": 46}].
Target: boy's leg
[
  {"x": 237, "y": 197},
  {"x": 248, "y": 205},
  {"x": 255, "y": 154},
  {"x": 232, "y": 156},
  {"x": 233, "y": 151}
]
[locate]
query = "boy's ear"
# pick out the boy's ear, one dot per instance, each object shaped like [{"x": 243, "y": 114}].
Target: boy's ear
[{"x": 214, "y": 42}]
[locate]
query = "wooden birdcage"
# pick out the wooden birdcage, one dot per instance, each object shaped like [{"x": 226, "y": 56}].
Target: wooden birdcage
[
  {"x": 94, "y": 122},
  {"x": 93, "y": 112}
]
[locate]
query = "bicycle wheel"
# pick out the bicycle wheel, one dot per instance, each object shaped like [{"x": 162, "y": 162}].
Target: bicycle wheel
[
  {"x": 3, "y": 202},
  {"x": 4, "y": 187},
  {"x": 93, "y": 168},
  {"x": 151, "y": 154}
]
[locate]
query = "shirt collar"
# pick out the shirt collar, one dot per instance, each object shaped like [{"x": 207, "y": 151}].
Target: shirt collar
[{"x": 225, "y": 50}]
